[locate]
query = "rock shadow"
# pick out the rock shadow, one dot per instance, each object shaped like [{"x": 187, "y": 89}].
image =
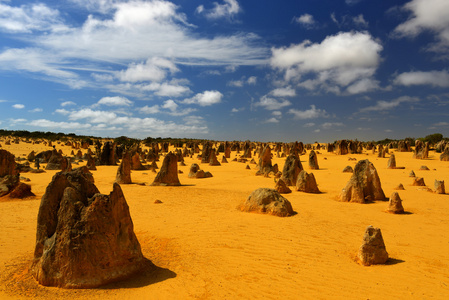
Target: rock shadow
[
  {"x": 150, "y": 274},
  {"x": 394, "y": 261}
]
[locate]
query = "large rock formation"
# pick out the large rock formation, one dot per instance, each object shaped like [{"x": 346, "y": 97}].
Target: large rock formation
[
  {"x": 281, "y": 187},
  {"x": 108, "y": 156},
  {"x": 168, "y": 174},
  {"x": 265, "y": 165},
  {"x": 292, "y": 167},
  {"x": 313, "y": 160},
  {"x": 395, "y": 204},
  {"x": 267, "y": 201},
  {"x": 372, "y": 251},
  {"x": 439, "y": 187},
  {"x": 421, "y": 150},
  {"x": 196, "y": 172},
  {"x": 391, "y": 162},
  {"x": 364, "y": 184},
  {"x": 445, "y": 155},
  {"x": 136, "y": 164},
  {"x": 56, "y": 162},
  {"x": 124, "y": 170},
  {"x": 8, "y": 164},
  {"x": 306, "y": 183},
  {"x": 84, "y": 239}
]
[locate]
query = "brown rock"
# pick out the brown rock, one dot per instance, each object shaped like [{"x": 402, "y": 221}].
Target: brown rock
[
  {"x": 56, "y": 162},
  {"x": 306, "y": 183},
  {"x": 418, "y": 181},
  {"x": 391, "y": 162},
  {"x": 8, "y": 164},
  {"x": 21, "y": 191},
  {"x": 411, "y": 174},
  {"x": 136, "y": 164},
  {"x": 399, "y": 187},
  {"x": 445, "y": 155},
  {"x": 348, "y": 169},
  {"x": 313, "y": 160},
  {"x": 213, "y": 161},
  {"x": 424, "y": 168},
  {"x": 395, "y": 204},
  {"x": 224, "y": 160},
  {"x": 196, "y": 172},
  {"x": 292, "y": 167},
  {"x": 124, "y": 170},
  {"x": 168, "y": 174},
  {"x": 90, "y": 163},
  {"x": 265, "y": 165},
  {"x": 267, "y": 201},
  {"x": 439, "y": 187},
  {"x": 372, "y": 251},
  {"x": 84, "y": 239},
  {"x": 364, "y": 185},
  {"x": 281, "y": 187}
]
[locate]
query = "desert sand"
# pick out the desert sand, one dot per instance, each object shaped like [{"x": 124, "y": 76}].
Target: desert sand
[{"x": 204, "y": 248}]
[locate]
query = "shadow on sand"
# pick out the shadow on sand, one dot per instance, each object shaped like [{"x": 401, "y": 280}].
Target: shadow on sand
[{"x": 150, "y": 274}]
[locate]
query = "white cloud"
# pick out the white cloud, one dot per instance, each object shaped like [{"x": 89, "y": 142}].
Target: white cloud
[
  {"x": 427, "y": 15},
  {"x": 283, "y": 92},
  {"x": 193, "y": 120},
  {"x": 441, "y": 124},
  {"x": 29, "y": 17},
  {"x": 206, "y": 98},
  {"x": 433, "y": 78},
  {"x": 311, "y": 113},
  {"x": 63, "y": 125},
  {"x": 228, "y": 10},
  {"x": 236, "y": 83},
  {"x": 170, "y": 105},
  {"x": 18, "y": 106},
  {"x": 305, "y": 20},
  {"x": 235, "y": 110},
  {"x": 150, "y": 109},
  {"x": 252, "y": 80},
  {"x": 360, "y": 21},
  {"x": 165, "y": 89},
  {"x": 272, "y": 120},
  {"x": 114, "y": 101},
  {"x": 339, "y": 61},
  {"x": 272, "y": 103},
  {"x": 62, "y": 111},
  {"x": 330, "y": 125},
  {"x": 154, "y": 69},
  {"x": 35, "y": 110},
  {"x": 67, "y": 103},
  {"x": 277, "y": 113},
  {"x": 309, "y": 125},
  {"x": 388, "y": 105}
]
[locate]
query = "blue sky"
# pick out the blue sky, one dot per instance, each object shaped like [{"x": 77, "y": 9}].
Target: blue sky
[{"x": 310, "y": 70}]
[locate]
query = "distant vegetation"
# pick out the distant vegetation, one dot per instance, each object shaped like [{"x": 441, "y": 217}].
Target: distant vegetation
[{"x": 432, "y": 138}]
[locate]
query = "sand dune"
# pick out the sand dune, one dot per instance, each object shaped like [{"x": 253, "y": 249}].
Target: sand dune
[{"x": 204, "y": 248}]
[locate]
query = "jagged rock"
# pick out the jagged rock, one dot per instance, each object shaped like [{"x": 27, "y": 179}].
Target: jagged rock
[
  {"x": 372, "y": 251},
  {"x": 21, "y": 191},
  {"x": 108, "y": 156},
  {"x": 424, "y": 168},
  {"x": 213, "y": 161},
  {"x": 136, "y": 164},
  {"x": 247, "y": 167},
  {"x": 364, "y": 185},
  {"x": 395, "y": 204},
  {"x": 267, "y": 201},
  {"x": 281, "y": 187},
  {"x": 84, "y": 239},
  {"x": 66, "y": 166},
  {"x": 411, "y": 174},
  {"x": 306, "y": 183},
  {"x": 418, "y": 181},
  {"x": 224, "y": 160},
  {"x": 8, "y": 164},
  {"x": 445, "y": 155},
  {"x": 56, "y": 162},
  {"x": 391, "y": 162},
  {"x": 292, "y": 167},
  {"x": 8, "y": 183},
  {"x": 124, "y": 170},
  {"x": 439, "y": 187},
  {"x": 168, "y": 174},
  {"x": 399, "y": 187},
  {"x": 421, "y": 150},
  {"x": 32, "y": 156},
  {"x": 348, "y": 169},
  {"x": 265, "y": 165},
  {"x": 313, "y": 160},
  {"x": 196, "y": 172},
  {"x": 90, "y": 163}
]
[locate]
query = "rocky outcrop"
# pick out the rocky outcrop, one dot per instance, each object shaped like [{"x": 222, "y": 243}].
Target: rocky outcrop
[
  {"x": 267, "y": 201},
  {"x": 265, "y": 165},
  {"x": 84, "y": 239},
  {"x": 56, "y": 162},
  {"x": 313, "y": 160},
  {"x": 306, "y": 183},
  {"x": 395, "y": 204},
  {"x": 168, "y": 174},
  {"x": 364, "y": 184},
  {"x": 124, "y": 170},
  {"x": 373, "y": 250},
  {"x": 292, "y": 167},
  {"x": 196, "y": 172},
  {"x": 439, "y": 187},
  {"x": 281, "y": 187},
  {"x": 8, "y": 164}
]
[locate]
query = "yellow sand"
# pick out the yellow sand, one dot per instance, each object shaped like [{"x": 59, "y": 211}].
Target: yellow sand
[{"x": 205, "y": 248}]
